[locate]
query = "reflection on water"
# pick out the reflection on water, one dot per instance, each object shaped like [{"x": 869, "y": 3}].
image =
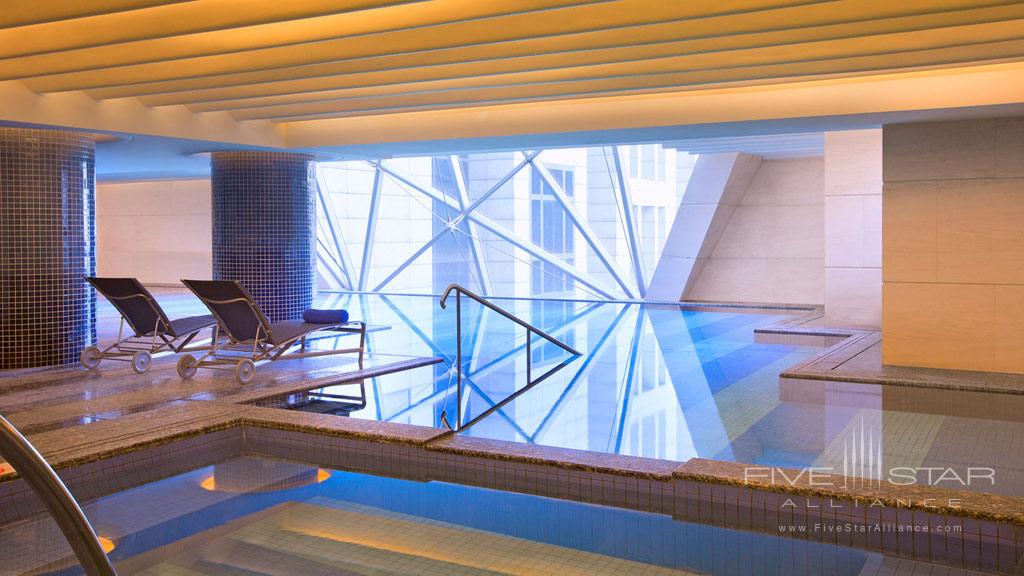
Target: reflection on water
[{"x": 672, "y": 383}]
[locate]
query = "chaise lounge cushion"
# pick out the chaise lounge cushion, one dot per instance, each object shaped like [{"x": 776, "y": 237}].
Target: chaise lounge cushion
[{"x": 315, "y": 316}]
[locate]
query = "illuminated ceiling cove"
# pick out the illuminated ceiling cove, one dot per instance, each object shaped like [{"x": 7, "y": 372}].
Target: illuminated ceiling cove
[{"x": 319, "y": 73}]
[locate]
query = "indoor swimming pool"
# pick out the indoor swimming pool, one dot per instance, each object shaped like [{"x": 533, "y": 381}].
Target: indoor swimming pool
[
  {"x": 252, "y": 515},
  {"x": 673, "y": 383},
  {"x": 618, "y": 463},
  {"x": 654, "y": 381}
]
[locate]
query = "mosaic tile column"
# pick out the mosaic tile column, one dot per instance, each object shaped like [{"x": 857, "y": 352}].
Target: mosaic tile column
[
  {"x": 47, "y": 246},
  {"x": 264, "y": 213}
]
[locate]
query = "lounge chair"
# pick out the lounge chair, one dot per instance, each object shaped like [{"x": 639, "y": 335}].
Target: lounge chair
[
  {"x": 252, "y": 337},
  {"x": 152, "y": 331}
]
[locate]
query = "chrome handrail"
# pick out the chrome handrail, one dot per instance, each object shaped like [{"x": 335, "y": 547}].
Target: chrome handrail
[
  {"x": 480, "y": 299},
  {"x": 530, "y": 329},
  {"x": 32, "y": 467}
]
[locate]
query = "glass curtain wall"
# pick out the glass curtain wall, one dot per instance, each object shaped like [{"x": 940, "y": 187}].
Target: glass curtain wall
[{"x": 577, "y": 223}]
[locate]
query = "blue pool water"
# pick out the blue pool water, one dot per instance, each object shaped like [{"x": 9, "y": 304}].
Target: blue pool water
[
  {"x": 255, "y": 516},
  {"x": 656, "y": 381},
  {"x": 674, "y": 383}
]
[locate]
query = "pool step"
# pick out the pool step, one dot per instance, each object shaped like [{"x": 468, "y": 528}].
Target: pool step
[
  {"x": 346, "y": 538},
  {"x": 353, "y": 533},
  {"x": 231, "y": 558},
  {"x": 207, "y": 568},
  {"x": 348, "y": 558}
]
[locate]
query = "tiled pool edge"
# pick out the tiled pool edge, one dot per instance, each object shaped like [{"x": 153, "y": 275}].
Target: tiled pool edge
[
  {"x": 704, "y": 491},
  {"x": 989, "y": 535},
  {"x": 252, "y": 424},
  {"x": 843, "y": 345}
]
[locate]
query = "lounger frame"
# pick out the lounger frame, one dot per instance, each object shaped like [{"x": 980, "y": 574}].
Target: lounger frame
[
  {"x": 136, "y": 349},
  {"x": 242, "y": 356},
  {"x": 157, "y": 342}
]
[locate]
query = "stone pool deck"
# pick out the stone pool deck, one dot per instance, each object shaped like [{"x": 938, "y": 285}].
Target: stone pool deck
[{"x": 856, "y": 356}]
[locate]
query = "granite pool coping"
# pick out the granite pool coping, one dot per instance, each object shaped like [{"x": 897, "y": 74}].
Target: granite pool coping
[
  {"x": 67, "y": 448},
  {"x": 854, "y": 356},
  {"x": 858, "y": 359}
]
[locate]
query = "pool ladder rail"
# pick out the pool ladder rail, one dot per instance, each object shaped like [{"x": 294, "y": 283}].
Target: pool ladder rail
[
  {"x": 460, "y": 291},
  {"x": 66, "y": 512}
]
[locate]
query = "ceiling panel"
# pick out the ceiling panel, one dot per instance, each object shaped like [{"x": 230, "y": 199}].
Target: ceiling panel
[
  {"x": 360, "y": 35},
  {"x": 927, "y": 48},
  {"x": 301, "y": 60},
  {"x": 627, "y": 45},
  {"x": 632, "y": 83},
  {"x": 175, "y": 20},
  {"x": 29, "y": 12}
]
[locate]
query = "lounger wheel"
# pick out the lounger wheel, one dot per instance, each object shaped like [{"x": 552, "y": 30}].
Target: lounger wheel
[
  {"x": 91, "y": 357},
  {"x": 141, "y": 361},
  {"x": 187, "y": 366},
  {"x": 244, "y": 371}
]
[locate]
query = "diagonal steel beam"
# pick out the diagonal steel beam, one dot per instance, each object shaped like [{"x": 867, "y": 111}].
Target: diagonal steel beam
[
  {"x": 625, "y": 201},
  {"x": 581, "y": 223},
  {"x": 527, "y": 158},
  {"x": 500, "y": 231},
  {"x": 441, "y": 197},
  {"x": 497, "y": 230},
  {"x": 342, "y": 251},
  {"x": 542, "y": 254},
  {"x": 371, "y": 228},
  {"x": 419, "y": 252},
  {"x": 474, "y": 241},
  {"x": 324, "y": 256}
]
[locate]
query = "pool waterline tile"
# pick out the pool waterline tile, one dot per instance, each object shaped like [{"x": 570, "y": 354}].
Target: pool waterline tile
[{"x": 718, "y": 504}]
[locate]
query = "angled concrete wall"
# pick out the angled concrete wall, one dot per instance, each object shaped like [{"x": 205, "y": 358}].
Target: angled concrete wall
[
  {"x": 715, "y": 189},
  {"x": 773, "y": 248}
]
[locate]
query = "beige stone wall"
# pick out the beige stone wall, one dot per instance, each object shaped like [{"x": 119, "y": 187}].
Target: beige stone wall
[
  {"x": 953, "y": 245},
  {"x": 853, "y": 228},
  {"x": 716, "y": 187},
  {"x": 158, "y": 231},
  {"x": 773, "y": 248}
]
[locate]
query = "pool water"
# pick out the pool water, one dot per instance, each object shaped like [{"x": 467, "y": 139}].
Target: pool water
[
  {"x": 673, "y": 383},
  {"x": 669, "y": 382},
  {"x": 256, "y": 516},
  {"x": 655, "y": 381}
]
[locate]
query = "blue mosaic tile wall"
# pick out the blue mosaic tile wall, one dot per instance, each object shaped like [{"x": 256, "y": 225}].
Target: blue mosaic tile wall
[
  {"x": 264, "y": 213},
  {"x": 47, "y": 246}
]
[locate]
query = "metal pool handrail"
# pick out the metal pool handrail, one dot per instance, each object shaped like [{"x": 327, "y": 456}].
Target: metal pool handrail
[
  {"x": 530, "y": 329},
  {"x": 32, "y": 467}
]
